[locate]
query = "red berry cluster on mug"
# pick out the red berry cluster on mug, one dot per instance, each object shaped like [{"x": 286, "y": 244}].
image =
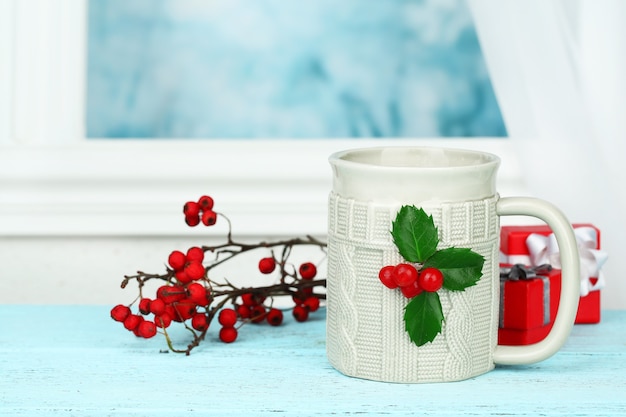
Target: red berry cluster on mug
[
  {"x": 409, "y": 280},
  {"x": 177, "y": 303},
  {"x": 200, "y": 211}
]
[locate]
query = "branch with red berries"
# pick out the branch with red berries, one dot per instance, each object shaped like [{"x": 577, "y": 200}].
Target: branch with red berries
[{"x": 190, "y": 294}]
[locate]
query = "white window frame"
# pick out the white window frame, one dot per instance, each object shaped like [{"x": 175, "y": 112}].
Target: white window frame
[{"x": 54, "y": 182}]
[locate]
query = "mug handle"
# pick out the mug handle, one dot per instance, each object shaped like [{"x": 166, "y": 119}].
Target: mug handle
[{"x": 570, "y": 287}]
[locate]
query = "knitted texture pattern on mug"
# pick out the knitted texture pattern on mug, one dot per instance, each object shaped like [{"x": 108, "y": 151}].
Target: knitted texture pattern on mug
[{"x": 365, "y": 329}]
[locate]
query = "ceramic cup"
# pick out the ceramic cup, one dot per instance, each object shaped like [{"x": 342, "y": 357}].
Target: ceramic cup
[{"x": 366, "y": 337}]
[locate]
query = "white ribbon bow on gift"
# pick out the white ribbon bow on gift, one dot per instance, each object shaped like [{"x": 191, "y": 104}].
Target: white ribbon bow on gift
[{"x": 544, "y": 249}]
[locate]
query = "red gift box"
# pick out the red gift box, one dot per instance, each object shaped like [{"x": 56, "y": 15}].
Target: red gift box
[
  {"x": 520, "y": 244},
  {"x": 528, "y": 305}
]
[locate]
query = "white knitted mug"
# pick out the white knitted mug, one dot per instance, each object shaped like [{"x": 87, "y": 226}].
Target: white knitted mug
[{"x": 366, "y": 337}]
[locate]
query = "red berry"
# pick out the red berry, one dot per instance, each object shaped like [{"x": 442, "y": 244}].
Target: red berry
[
  {"x": 132, "y": 321},
  {"x": 182, "y": 276},
  {"x": 146, "y": 329},
  {"x": 144, "y": 305},
  {"x": 209, "y": 218},
  {"x": 274, "y": 317},
  {"x": 258, "y": 313},
  {"x": 157, "y": 307},
  {"x": 185, "y": 309},
  {"x": 243, "y": 311},
  {"x": 301, "y": 295},
  {"x": 251, "y": 299},
  {"x": 191, "y": 208},
  {"x": 248, "y": 299},
  {"x": 267, "y": 265},
  {"x": 170, "y": 311},
  {"x": 170, "y": 293},
  {"x": 227, "y": 317},
  {"x": 192, "y": 221},
  {"x": 205, "y": 202},
  {"x": 228, "y": 334},
  {"x": 412, "y": 290},
  {"x": 198, "y": 294},
  {"x": 300, "y": 313},
  {"x": 195, "y": 254},
  {"x": 177, "y": 260},
  {"x": 386, "y": 277},
  {"x": 404, "y": 274},
  {"x": 163, "y": 320},
  {"x": 194, "y": 270},
  {"x": 120, "y": 312},
  {"x": 430, "y": 279},
  {"x": 199, "y": 322},
  {"x": 307, "y": 270},
  {"x": 312, "y": 303}
]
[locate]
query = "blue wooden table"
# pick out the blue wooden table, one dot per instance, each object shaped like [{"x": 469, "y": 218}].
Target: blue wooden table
[{"x": 76, "y": 361}]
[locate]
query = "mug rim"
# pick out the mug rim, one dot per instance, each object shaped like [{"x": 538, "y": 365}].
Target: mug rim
[{"x": 339, "y": 158}]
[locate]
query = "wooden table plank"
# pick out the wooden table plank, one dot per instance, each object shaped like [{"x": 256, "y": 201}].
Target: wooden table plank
[{"x": 74, "y": 360}]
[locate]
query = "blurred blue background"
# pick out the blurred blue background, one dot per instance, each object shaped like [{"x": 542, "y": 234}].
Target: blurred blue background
[{"x": 286, "y": 69}]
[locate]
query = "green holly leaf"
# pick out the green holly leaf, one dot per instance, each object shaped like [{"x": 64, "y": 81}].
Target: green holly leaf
[
  {"x": 423, "y": 317},
  {"x": 461, "y": 267},
  {"x": 415, "y": 234}
]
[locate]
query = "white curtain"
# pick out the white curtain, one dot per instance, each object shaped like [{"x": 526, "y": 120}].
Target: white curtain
[{"x": 558, "y": 69}]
